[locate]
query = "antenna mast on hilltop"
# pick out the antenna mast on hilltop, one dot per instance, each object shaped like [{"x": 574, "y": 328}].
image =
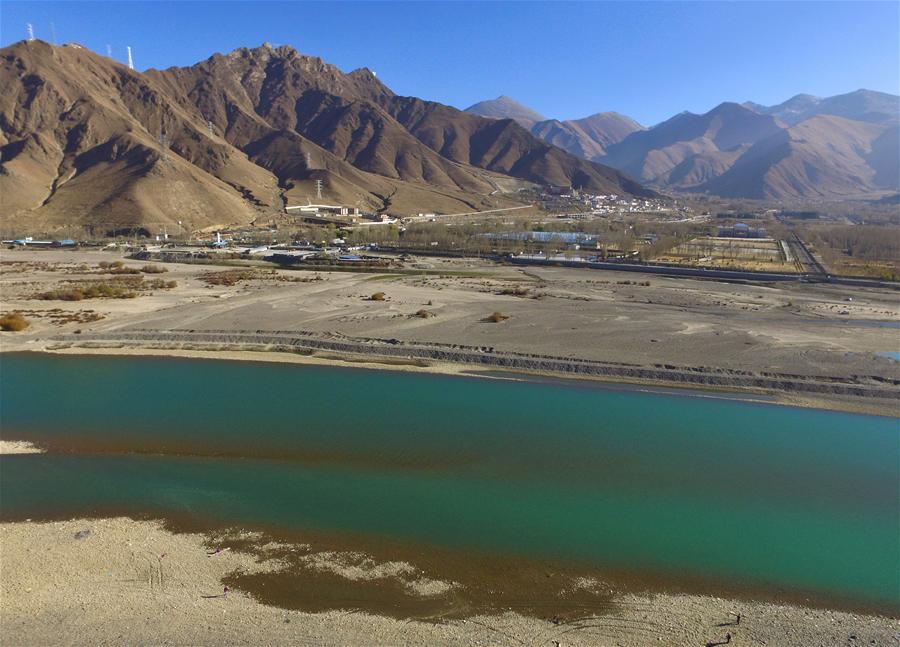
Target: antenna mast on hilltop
[
  {"x": 130, "y": 62},
  {"x": 318, "y": 189},
  {"x": 109, "y": 51},
  {"x": 164, "y": 146},
  {"x": 30, "y": 30}
]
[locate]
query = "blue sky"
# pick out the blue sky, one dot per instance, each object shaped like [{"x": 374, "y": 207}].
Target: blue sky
[{"x": 566, "y": 60}]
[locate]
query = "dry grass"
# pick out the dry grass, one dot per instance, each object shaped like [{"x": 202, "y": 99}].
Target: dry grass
[
  {"x": 227, "y": 278},
  {"x": 124, "y": 288},
  {"x": 14, "y": 322}
]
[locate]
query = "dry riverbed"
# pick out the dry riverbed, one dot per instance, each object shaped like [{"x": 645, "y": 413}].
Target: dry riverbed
[{"x": 117, "y": 580}]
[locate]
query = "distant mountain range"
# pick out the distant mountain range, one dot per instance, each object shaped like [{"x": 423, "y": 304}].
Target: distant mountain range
[
  {"x": 805, "y": 148},
  {"x": 230, "y": 140}
]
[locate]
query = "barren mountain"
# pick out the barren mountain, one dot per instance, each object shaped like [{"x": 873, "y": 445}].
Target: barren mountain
[
  {"x": 504, "y": 107},
  {"x": 653, "y": 154},
  {"x": 748, "y": 151},
  {"x": 588, "y": 137},
  {"x": 821, "y": 157},
  {"x": 861, "y": 105},
  {"x": 229, "y": 140}
]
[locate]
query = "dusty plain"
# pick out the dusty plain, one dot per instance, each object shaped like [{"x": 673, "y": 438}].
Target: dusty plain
[
  {"x": 828, "y": 333},
  {"x": 137, "y": 581}
]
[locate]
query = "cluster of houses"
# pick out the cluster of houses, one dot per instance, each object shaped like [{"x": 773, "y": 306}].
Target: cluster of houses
[{"x": 338, "y": 214}]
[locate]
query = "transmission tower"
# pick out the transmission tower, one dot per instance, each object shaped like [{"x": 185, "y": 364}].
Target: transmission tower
[
  {"x": 30, "y": 30},
  {"x": 130, "y": 61},
  {"x": 209, "y": 126},
  {"x": 318, "y": 189},
  {"x": 52, "y": 34},
  {"x": 308, "y": 161},
  {"x": 164, "y": 147},
  {"x": 109, "y": 51}
]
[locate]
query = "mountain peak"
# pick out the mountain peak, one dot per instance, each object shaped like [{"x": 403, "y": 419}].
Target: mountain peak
[{"x": 504, "y": 107}]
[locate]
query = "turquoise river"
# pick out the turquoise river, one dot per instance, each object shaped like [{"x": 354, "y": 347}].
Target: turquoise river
[{"x": 738, "y": 492}]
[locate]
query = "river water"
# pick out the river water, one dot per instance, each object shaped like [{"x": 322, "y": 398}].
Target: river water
[{"x": 743, "y": 493}]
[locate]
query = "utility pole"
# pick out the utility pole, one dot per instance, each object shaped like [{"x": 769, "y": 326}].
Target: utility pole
[{"x": 164, "y": 146}]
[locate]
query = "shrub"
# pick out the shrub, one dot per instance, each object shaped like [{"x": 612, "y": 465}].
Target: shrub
[
  {"x": 228, "y": 277},
  {"x": 14, "y": 322},
  {"x": 124, "y": 270},
  {"x": 159, "y": 284},
  {"x": 378, "y": 296},
  {"x": 424, "y": 314},
  {"x": 154, "y": 269},
  {"x": 497, "y": 317},
  {"x": 515, "y": 292}
]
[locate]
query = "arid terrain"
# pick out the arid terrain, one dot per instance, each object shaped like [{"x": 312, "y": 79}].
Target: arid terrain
[
  {"x": 116, "y": 579},
  {"x": 62, "y": 580},
  {"x": 796, "y": 342}
]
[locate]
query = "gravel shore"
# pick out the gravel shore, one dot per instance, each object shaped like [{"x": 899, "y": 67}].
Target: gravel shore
[{"x": 115, "y": 581}]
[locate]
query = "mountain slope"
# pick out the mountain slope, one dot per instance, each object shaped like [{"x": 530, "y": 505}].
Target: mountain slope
[
  {"x": 651, "y": 155},
  {"x": 588, "y": 137},
  {"x": 503, "y": 146},
  {"x": 823, "y": 156},
  {"x": 861, "y": 105},
  {"x": 504, "y": 107},
  {"x": 80, "y": 138},
  {"x": 356, "y": 118},
  {"x": 231, "y": 139}
]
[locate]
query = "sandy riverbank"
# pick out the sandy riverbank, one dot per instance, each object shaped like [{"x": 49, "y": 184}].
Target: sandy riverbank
[
  {"x": 882, "y": 407},
  {"x": 123, "y": 581},
  {"x": 10, "y": 447},
  {"x": 765, "y": 334}
]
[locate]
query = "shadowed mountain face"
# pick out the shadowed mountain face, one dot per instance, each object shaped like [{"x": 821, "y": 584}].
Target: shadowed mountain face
[
  {"x": 232, "y": 138},
  {"x": 805, "y": 148},
  {"x": 587, "y": 138}
]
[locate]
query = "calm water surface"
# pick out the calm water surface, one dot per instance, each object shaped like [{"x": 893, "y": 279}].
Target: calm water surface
[{"x": 746, "y": 493}]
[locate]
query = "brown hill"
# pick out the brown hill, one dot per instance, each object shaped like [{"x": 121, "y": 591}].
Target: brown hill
[
  {"x": 823, "y": 156},
  {"x": 651, "y": 155},
  {"x": 80, "y": 142},
  {"x": 504, "y": 107},
  {"x": 740, "y": 152},
  {"x": 231, "y": 139},
  {"x": 588, "y": 137}
]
